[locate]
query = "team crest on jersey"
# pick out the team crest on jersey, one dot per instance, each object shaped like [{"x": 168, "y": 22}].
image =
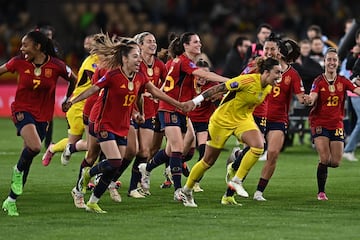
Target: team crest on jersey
[
  {"x": 234, "y": 85},
  {"x": 123, "y": 86},
  {"x": 104, "y": 134},
  {"x": 287, "y": 80},
  {"x": 174, "y": 118},
  {"x": 339, "y": 87},
  {"x": 157, "y": 71},
  {"x": 20, "y": 116},
  {"x": 48, "y": 72},
  {"x": 192, "y": 65},
  {"x": 318, "y": 130},
  {"x": 101, "y": 79}
]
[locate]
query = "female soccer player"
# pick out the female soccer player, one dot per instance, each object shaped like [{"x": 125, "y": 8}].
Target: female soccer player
[
  {"x": 38, "y": 69},
  {"x": 155, "y": 71},
  {"x": 119, "y": 90},
  {"x": 278, "y": 112},
  {"x": 200, "y": 116},
  {"x": 179, "y": 84},
  {"x": 327, "y": 97},
  {"x": 74, "y": 142},
  {"x": 234, "y": 117}
]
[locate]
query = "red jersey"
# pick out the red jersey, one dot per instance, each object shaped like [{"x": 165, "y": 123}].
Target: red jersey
[
  {"x": 35, "y": 93},
  {"x": 156, "y": 75},
  {"x": 206, "y": 109},
  {"x": 179, "y": 83},
  {"x": 90, "y": 101},
  {"x": 328, "y": 111},
  {"x": 116, "y": 101},
  {"x": 260, "y": 110},
  {"x": 282, "y": 93}
]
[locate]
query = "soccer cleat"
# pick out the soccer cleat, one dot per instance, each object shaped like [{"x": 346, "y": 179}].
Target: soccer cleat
[
  {"x": 177, "y": 196},
  {"x": 185, "y": 169},
  {"x": 234, "y": 154},
  {"x": 135, "y": 194},
  {"x": 93, "y": 207},
  {"x": 118, "y": 184},
  {"x": 17, "y": 181},
  {"x": 114, "y": 194},
  {"x": 350, "y": 156},
  {"x": 167, "y": 174},
  {"x": 145, "y": 176},
  {"x": 78, "y": 198},
  {"x": 197, "y": 187},
  {"x": 10, "y": 208},
  {"x": 258, "y": 196},
  {"x": 230, "y": 173},
  {"x": 322, "y": 196},
  {"x": 144, "y": 192},
  {"x": 46, "y": 159},
  {"x": 238, "y": 187},
  {"x": 229, "y": 200},
  {"x": 84, "y": 179},
  {"x": 65, "y": 156},
  {"x": 187, "y": 198},
  {"x": 166, "y": 184}
]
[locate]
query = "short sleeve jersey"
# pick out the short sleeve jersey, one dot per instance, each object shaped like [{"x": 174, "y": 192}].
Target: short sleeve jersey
[
  {"x": 90, "y": 101},
  {"x": 157, "y": 75},
  {"x": 36, "y": 92},
  {"x": 261, "y": 109},
  {"x": 179, "y": 83},
  {"x": 206, "y": 109},
  {"x": 116, "y": 101},
  {"x": 328, "y": 111},
  {"x": 245, "y": 93},
  {"x": 84, "y": 82},
  {"x": 282, "y": 93}
]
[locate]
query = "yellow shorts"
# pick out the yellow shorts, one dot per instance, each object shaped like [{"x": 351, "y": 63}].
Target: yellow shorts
[
  {"x": 219, "y": 134},
  {"x": 74, "y": 118}
]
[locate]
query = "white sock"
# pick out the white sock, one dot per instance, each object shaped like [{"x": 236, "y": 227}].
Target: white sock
[
  {"x": 10, "y": 199},
  {"x": 93, "y": 199}
]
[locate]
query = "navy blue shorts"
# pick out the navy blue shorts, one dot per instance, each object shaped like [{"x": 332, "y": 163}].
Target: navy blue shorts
[
  {"x": 148, "y": 124},
  {"x": 92, "y": 129},
  {"x": 85, "y": 120},
  {"x": 276, "y": 126},
  {"x": 21, "y": 119},
  {"x": 200, "y": 126},
  {"x": 173, "y": 119},
  {"x": 104, "y": 136},
  {"x": 261, "y": 123},
  {"x": 333, "y": 135},
  {"x": 157, "y": 124}
]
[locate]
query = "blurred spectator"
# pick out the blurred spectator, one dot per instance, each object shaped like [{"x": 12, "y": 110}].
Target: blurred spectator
[
  {"x": 314, "y": 31},
  {"x": 307, "y": 67},
  {"x": 316, "y": 53},
  {"x": 354, "y": 53},
  {"x": 263, "y": 32},
  {"x": 236, "y": 57},
  {"x": 343, "y": 71},
  {"x": 353, "y": 64}
]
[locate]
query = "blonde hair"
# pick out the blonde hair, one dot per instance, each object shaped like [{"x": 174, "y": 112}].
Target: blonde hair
[{"x": 112, "y": 49}]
